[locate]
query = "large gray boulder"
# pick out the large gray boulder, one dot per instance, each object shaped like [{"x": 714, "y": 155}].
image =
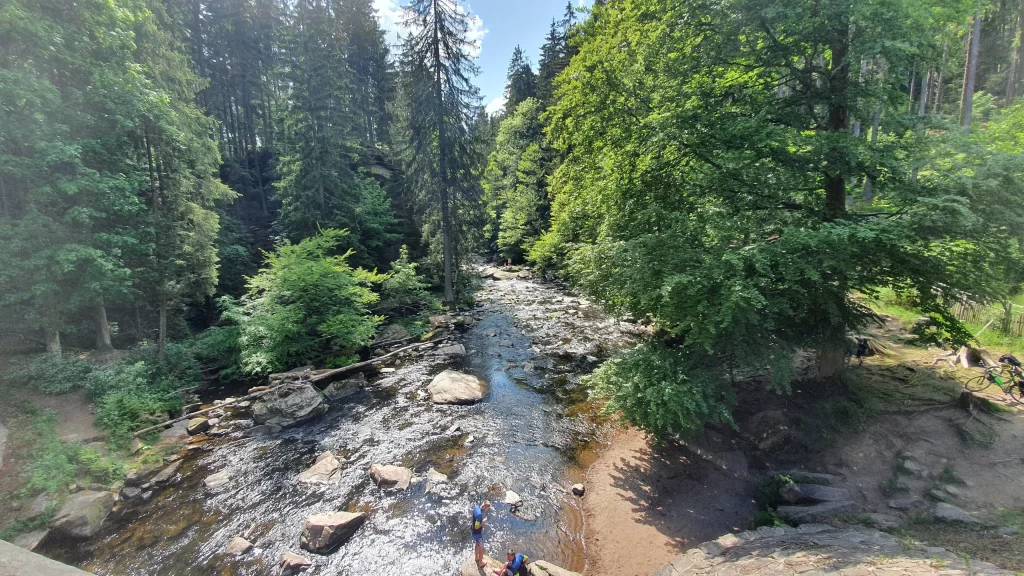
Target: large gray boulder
[
  {"x": 344, "y": 388},
  {"x": 83, "y": 513},
  {"x": 391, "y": 476},
  {"x": 325, "y": 532},
  {"x": 812, "y": 493},
  {"x": 950, "y": 513},
  {"x": 451, "y": 387},
  {"x": 815, "y": 513},
  {"x": 326, "y": 470},
  {"x": 288, "y": 405}
]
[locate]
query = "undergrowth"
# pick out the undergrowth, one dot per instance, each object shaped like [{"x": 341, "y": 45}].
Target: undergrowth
[{"x": 768, "y": 499}]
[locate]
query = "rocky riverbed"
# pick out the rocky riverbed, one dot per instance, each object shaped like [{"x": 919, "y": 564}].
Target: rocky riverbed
[{"x": 279, "y": 490}]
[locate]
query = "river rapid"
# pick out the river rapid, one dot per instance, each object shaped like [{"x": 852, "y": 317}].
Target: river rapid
[{"x": 530, "y": 341}]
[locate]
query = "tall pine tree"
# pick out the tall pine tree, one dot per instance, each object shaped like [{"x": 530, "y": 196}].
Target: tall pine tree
[{"x": 521, "y": 83}]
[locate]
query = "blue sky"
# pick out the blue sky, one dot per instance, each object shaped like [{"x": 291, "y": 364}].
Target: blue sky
[{"x": 497, "y": 26}]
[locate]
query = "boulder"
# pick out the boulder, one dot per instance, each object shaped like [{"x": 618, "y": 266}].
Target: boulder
[
  {"x": 911, "y": 467},
  {"x": 544, "y": 568},
  {"x": 811, "y": 493},
  {"x": 198, "y": 425},
  {"x": 579, "y": 489},
  {"x": 237, "y": 547},
  {"x": 325, "y": 532},
  {"x": 218, "y": 481},
  {"x": 139, "y": 476},
  {"x": 800, "y": 514},
  {"x": 882, "y": 521},
  {"x": 950, "y": 513},
  {"x": 344, "y": 388},
  {"x": 288, "y": 405},
  {"x": 136, "y": 445},
  {"x": 30, "y": 540},
  {"x": 37, "y": 508},
  {"x": 391, "y": 476},
  {"x": 130, "y": 493},
  {"x": 470, "y": 568},
  {"x": 453, "y": 350},
  {"x": 434, "y": 478},
  {"x": 513, "y": 499},
  {"x": 292, "y": 564},
  {"x": 166, "y": 474},
  {"x": 326, "y": 470},
  {"x": 178, "y": 432},
  {"x": 83, "y": 513},
  {"x": 451, "y": 387},
  {"x": 263, "y": 430}
]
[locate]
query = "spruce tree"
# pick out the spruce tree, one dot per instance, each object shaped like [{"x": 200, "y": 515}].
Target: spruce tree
[{"x": 521, "y": 83}]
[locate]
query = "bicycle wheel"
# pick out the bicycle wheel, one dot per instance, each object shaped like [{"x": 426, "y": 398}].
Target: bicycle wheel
[
  {"x": 978, "y": 383},
  {"x": 1016, "y": 393}
]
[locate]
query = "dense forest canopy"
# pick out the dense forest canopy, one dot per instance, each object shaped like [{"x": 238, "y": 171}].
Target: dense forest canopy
[{"x": 270, "y": 183}]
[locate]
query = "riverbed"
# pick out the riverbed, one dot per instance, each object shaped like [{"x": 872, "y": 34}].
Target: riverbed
[{"x": 531, "y": 341}]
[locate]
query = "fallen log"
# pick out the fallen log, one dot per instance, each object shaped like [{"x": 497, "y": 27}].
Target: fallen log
[{"x": 323, "y": 378}]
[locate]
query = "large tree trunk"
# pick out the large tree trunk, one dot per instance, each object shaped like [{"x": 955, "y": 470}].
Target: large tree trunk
[
  {"x": 971, "y": 73},
  {"x": 102, "y": 329},
  {"x": 869, "y": 193},
  {"x": 442, "y": 145},
  {"x": 838, "y": 121},
  {"x": 162, "y": 337},
  {"x": 53, "y": 343}
]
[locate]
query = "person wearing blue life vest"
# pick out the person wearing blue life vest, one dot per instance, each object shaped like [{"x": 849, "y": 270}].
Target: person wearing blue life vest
[
  {"x": 479, "y": 519},
  {"x": 516, "y": 565}
]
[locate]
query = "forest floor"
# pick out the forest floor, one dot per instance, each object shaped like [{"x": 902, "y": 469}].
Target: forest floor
[{"x": 647, "y": 504}]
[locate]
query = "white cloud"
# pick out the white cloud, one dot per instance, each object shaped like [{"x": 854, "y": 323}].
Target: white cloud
[
  {"x": 390, "y": 15},
  {"x": 496, "y": 105}
]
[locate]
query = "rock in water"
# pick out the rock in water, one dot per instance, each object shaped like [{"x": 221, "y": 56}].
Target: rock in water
[
  {"x": 344, "y": 388},
  {"x": 579, "y": 489},
  {"x": 198, "y": 425},
  {"x": 453, "y": 350},
  {"x": 288, "y": 405},
  {"x": 470, "y": 568},
  {"x": 391, "y": 476},
  {"x": 513, "y": 499},
  {"x": 292, "y": 564},
  {"x": 237, "y": 547},
  {"x": 215, "y": 482},
  {"x": 542, "y": 568},
  {"x": 326, "y": 470},
  {"x": 812, "y": 493},
  {"x": 166, "y": 474},
  {"x": 451, "y": 387},
  {"x": 139, "y": 476},
  {"x": 951, "y": 513},
  {"x": 83, "y": 513},
  {"x": 325, "y": 532}
]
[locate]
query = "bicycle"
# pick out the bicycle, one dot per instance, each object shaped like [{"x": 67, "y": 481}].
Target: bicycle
[{"x": 1014, "y": 385}]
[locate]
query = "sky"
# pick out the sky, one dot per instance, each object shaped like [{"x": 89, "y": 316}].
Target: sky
[{"x": 497, "y": 26}]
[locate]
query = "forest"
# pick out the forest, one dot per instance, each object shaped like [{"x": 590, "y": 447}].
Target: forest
[{"x": 220, "y": 190}]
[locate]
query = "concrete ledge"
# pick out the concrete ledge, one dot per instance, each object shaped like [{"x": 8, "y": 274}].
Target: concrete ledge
[{"x": 16, "y": 561}]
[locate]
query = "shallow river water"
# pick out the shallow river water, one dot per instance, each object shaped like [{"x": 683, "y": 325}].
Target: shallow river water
[{"x": 530, "y": 341}]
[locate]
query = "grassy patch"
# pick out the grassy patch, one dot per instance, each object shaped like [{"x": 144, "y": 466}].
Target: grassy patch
[{"x": 970, "y": 541}]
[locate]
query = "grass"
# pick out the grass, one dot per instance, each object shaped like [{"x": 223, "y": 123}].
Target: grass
[{"x": 982, "y": 544}]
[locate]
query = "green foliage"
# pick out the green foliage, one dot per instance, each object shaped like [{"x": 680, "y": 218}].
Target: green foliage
[
  {"x": 403, "y": 292},
  {"x": 55, "y": 464},
  {"x": 767, "y": 497},
  {"x": 56, "y": 377},
  {"x": 217, "y": 347},
  {"x": 304, "y": 305},
  {"x": 663, "y": 391}
]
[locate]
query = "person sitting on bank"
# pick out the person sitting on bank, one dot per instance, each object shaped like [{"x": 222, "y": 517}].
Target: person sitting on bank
[
  {"x": 479, "y": 519},
  {"x": 516, "y": 565}
]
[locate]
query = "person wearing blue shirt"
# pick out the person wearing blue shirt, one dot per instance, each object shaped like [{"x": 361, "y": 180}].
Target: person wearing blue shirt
[
  {"x": 516, "y": 565},
  {"x": 477, "y": 526}
]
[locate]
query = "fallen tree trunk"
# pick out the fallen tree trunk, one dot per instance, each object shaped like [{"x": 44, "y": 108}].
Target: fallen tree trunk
[{"x": 326, "y": 377}]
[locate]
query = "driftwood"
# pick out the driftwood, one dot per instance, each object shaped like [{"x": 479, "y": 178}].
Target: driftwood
[{"x": 325, "y": 377}]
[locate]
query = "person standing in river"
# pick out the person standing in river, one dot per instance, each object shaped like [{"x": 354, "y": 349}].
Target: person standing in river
[{"x": 479, "y": 519}]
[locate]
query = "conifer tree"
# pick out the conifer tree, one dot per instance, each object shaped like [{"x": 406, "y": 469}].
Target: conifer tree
[{"x": 521, "y": 83}]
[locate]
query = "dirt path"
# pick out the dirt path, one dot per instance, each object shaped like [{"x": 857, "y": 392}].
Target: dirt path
[{"x": 643, "y": 506}]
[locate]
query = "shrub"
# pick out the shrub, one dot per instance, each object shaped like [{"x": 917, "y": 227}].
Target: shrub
[
  {"x": 404, "y": 292},
  {"x": 56, "y": 377}
]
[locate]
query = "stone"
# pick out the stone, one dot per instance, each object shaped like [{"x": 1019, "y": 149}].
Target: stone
[
  {"x": 950, "y": 513},
  {"x": 1008, "y": 531},
  {"x": 513, "y": 499},
  {"x": 37, "y": 507},
  {"x": 952, "y": 490},
  {"x": 198, "y": 425},
  {"x": 238, "y": 546},
  {"x": 83, "y": 513},
  {"x": 434, "y": 479},
  {"x": 139, "y": 476},
  {"x": 883, "y": 521},
  {"x": 218, "y": 481},
  {"x": 454, "y": 350},
  {"x": 325, "y": 532},
  {"x": 213, "y": 422},
  {"x": 451, "y": 387},
  {"x": 579, "y": 489},
  {"x": 326, "y": 470},
  {"x": 166, "y": 474},
  {"x": 914, "y": 468},
  {"x": 812, "y": 493},
  {"x": 178, "y": 432},
  {"x": 808, "y": 477},
  {"x": 344, "y": 388},
  {"x": 939, "y": 495},
  {"x": 288, "y": 405},
  {"x": 130, "y": 493},
  {"x": 291, "y": 564},
  {"x": 30, "y": 540},
  {"x": 811, "y": 513},
  {"x": 470, "y": 568},
  {"x": 262, "y": 430},
  {"x": 395, "y": 477},
  {"x": 136, "y": 445},
  {"x": 506, "y": 343},
  {"x": 544, "y": 568},
  {"x": 903, "y": 503}
]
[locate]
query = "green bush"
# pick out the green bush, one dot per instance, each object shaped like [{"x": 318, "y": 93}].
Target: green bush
[
  {"x": 129, "y": 395},
  {"x": 56, "y": 377},
  {"x": 217, "y": 347},
  {"x": 663, "y": 390},
  {"x": 54, "y": 464},
  {"x": 404, "y": 292}
]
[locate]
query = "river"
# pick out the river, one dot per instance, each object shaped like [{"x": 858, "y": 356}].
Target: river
[{"x": 531, "y": 341}]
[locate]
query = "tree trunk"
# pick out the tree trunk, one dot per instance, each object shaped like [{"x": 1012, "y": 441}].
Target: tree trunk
[
  {"x": 162, "y": 337},
  {"x": 939, "y": 79},
  {"x": 1007, "y": 317},
  {"x": 922, "y": 109},
  {"x": 53, "y": 343},
  {"x": 442, "y": 146},
  {"x": 831, "y": 360},
  {"x": 838, "y": 121},
  {"x": 869, "y": 194},
  {"x": 971, "y": 73},
  {"x": 102, "y": 329}
]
